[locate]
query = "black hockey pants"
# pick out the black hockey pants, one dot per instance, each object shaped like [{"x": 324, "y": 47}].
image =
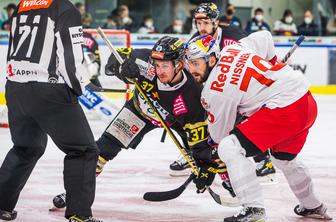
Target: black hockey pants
[{"x": 35, "y": 110}]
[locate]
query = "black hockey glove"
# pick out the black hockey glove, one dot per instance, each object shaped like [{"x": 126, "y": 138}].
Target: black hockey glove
[
  {"x": 112, "y": 66},
  {"x": 130, "y": 69},
  {"x": 205, "y": 178}
]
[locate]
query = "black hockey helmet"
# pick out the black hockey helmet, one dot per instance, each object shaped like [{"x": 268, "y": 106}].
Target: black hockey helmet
[
  {"x": 168, "y": 48},
  {"x": 206, "y": 11}
]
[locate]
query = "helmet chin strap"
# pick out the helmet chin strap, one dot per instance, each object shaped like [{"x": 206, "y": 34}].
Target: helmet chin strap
[
  {"x": 174, "y": 76},
  {"x": 214, "y": 29}
]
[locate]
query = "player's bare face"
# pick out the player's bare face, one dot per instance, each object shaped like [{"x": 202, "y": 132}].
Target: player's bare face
[
  {"x": 198, "y": 69},
  {"x": 204, "y": 26},
  {"x": 164, "y": 70}
]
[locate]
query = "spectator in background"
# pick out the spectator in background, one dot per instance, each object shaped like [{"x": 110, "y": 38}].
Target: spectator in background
[
  {"x": 308, "y": 26},
  {"x": 111, "y": 22},
  {"x": 86, "y": 21},
  {"x": 81, "y": 8},
  {"x": 10, "y": 8},
  {"x": 175, "y": 28},
  {"x": 285, "y": 26},
  {"x": 147, "y": 26},
  {"x": 257, "y": 23},
  {"x": 331, "y": 26},
  {"x": 125, "y": 20},
  {"x": 230, "y": 16}
]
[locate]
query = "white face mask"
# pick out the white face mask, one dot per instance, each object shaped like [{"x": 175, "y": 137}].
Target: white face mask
[
  {"x": 289, "y": 19},
  {"x": 149, "y": 24},
  {"x": 259, "y": 17},
  {"x": 308, "y": 20},
  {"x": 126, "y": 20},
  {"x": 177, "y": 28}
]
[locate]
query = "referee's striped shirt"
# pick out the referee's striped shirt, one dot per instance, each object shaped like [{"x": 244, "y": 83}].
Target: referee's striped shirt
[{"x": 46, "y": 43}]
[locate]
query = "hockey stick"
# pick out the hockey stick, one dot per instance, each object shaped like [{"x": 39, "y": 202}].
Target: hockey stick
[
  {"x": 168, "y": 195},
  {"x": 163, "y": 137},
  {"x": 190, "y": 160},
  {"x": 292, "y": 50},
  {"x": 95, "y": 88},
  {"x": 227, "y": 201}
]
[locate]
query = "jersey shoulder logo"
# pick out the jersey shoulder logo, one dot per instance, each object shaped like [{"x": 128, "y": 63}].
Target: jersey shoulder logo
[{"x": 27, "y": 5}]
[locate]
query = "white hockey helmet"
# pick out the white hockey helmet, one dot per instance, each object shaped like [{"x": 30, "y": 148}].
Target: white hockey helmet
[{"x": 201, "y": 47}]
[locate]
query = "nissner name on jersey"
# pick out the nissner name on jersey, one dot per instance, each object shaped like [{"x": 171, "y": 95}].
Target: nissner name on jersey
[
  {"x": 224, "y": 66},
  {"x": 27, "y": 5}
]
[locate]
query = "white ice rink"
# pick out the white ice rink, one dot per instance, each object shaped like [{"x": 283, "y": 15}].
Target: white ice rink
[{"x": 124, "y": 180}]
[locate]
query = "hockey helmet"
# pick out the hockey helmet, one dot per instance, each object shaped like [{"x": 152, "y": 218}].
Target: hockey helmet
[
  {"x": 201, "y": 47},
  {"x": 206, "y": 11},
  {"x": 168, "y": 48}
]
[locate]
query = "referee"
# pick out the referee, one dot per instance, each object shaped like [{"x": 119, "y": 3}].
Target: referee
[{"x": 43, "y": 81}]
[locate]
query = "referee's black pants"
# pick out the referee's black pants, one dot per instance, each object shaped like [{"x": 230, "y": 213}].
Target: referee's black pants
[{"x": 36, "y": 110}]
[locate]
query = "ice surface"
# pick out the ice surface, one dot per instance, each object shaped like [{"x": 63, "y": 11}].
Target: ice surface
[{"x": 134, "y": 172}]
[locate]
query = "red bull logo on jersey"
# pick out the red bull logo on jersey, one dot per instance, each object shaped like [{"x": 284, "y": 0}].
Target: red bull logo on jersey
[
  {"x": 27, "y": 5},
  {"x": 224, "y": 67}
]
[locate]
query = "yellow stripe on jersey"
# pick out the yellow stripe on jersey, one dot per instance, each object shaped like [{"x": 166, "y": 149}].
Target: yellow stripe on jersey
[{"x": 196, "y": 132}]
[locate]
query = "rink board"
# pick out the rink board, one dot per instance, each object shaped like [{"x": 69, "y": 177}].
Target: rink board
[{"x": 311, "y": 59}]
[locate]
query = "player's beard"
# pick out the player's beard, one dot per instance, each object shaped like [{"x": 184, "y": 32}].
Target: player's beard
[{"x": 201, "y": 78}]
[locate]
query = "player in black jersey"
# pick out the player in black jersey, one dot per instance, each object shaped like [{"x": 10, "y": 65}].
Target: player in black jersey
[
  {"x": 161, "y": 74},
  {"x": 206, "y": 18},
  {"x": 43, "y": 82},
  {"x": 91, "y": 58}
]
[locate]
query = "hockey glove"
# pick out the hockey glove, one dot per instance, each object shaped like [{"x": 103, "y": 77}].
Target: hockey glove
[
  {"x": 112, "y": 66},
  {"x": 205, "y": 178},
  {"x": 129, "y": 69}
]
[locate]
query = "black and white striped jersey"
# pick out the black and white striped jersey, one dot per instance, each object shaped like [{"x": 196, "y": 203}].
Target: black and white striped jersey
[{"x": 46, "y": 43}]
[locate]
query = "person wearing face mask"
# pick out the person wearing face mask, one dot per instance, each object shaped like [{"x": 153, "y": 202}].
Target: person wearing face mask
[
  {"x": 229, "y": 15},
  {"x": 147, "y": 26},
  {"x": 257, "y": 23},
  {"x": 308, "y": 26},
  {"x": 175, "y": 28},
  {"x": 125, "y": 20},
  {"x": 285, "y": 26}
]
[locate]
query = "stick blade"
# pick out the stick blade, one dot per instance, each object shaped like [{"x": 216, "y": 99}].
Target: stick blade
[
  {"x": 224, "y": 201},
  {"x": 164, "y": 195}
]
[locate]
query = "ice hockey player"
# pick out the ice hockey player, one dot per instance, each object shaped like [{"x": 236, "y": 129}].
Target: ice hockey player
[
  {"x": 161, "y": 74},
  {"x": 280, "y": 111},
  {"x": 91, "y": 58},
  {"x": 43, "y": 81},
  {"x": 206, "y": 19}
]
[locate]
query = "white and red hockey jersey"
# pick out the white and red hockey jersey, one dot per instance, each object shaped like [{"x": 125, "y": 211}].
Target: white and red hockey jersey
[{"x": 243, "y": 81}]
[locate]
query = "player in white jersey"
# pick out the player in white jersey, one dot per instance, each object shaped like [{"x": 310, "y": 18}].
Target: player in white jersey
[
  {"x": 280, "y": 111},
  {"x": 206, "y": 19}
]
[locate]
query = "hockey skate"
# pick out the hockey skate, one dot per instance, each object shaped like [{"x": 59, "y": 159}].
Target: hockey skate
[
  {"x": 317, "y": 213},
  {"x": 266, "y": 172},
  {"x": 180, "y": 167},
  {"x": 248, "y": 214},
  {"x": 83, "y": 219},
  {"x": 6, "y": 215}
]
